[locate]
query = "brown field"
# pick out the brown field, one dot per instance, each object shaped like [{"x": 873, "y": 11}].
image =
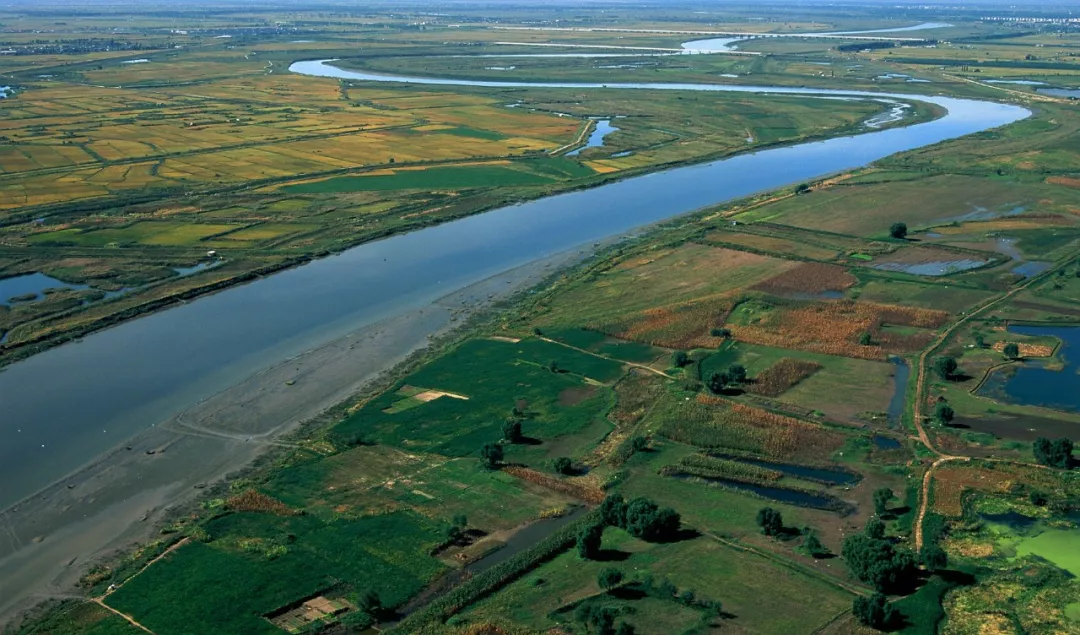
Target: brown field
[
  {"x": 1027, "y": 350},
  {"x": 681, "y": 326},
  {"x": 776, "y": 435},
  {"x": 784, "y": 374},
  {"x": 253, "y": 501},
  {"x": 834, "y": 328},
  {"x": 774, "y": 244},
  {"x": 1067, "y": 181},
  {"x": 810, "y": 277},
  {"x": 951, "y": 481}
]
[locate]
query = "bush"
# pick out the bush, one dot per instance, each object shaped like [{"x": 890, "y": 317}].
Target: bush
[
  {"x": 609, "y": 578},
  {"x": 491, "y": 454},
  {"x": 945, "y": 367},
  {"x": 680, "y": 359},
  {"x": 770, "y": 521},
  {"x": 512, "y": 431},
  {"x": 1057, "y": 453},
  {"x": 563, "y": 465},
  {"x": 874, "y": 611},
  {"x": 589, "y": 540}
]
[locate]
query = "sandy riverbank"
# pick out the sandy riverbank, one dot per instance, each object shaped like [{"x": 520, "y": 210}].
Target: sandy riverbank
[{"x": 48, "y": 541}]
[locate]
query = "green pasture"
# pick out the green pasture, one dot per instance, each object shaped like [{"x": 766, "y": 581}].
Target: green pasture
[
  {"x": 495, "y": 377},
  {"x": 256, "y": 563}
]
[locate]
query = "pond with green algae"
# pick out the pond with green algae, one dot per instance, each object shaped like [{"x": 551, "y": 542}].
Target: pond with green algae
[{"x": 1020, "y": 536}]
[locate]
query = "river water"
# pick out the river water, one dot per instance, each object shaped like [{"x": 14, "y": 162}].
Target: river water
[{"x": 65, "y": 406}]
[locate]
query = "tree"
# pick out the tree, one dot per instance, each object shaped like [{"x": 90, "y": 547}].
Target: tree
[
  {"x": 934, "y": 557},
  {"x": 812, "y": 545},
  {"x": 598, "y": 619},
  {"x": 491, "y": 454},
  {"x": 589, "y": 540},
  {"x": 720, "y": 332},
  {"x": 882, "y": 496},
  {"x": 866, "y": 339},
  {"x": 944, "y": 414},
  {"x": 609, "y": 578},
  {"x": 639, "y": 443},
  {"x": 646, "y": 520},
  {"x": 625, "y": 628},
  {"x": 1012, "y": 350},
  {"x": 1057, "y": 453},
  {"x": 456, "y": 531},
  {"x": 945, "y": 367},
  {"x": 802, "y": 188},
  {"x": 369, "y": 602},
  {"x": 679, "y": 359},
  {"x": 875, "y": 528},
  {"x": 874, "y": 611},
  {"x": 512, "y": 431},
  {"x": 736, "y": 374},
  {"x": 563, "y": 465},
  {"x": 718, "y": 382},
  {"x": 770, "y": 521},
  {"x": 553, "y": 366},
  {"x": 980, "y": 340},
  {"x": 876, "y": 561},
  {"x": 613, "y": 510},
  {"x": 898, "y": 231}
]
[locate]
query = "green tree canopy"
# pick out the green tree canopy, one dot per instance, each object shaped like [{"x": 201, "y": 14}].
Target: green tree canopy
[{"x": 898, "y": 230}]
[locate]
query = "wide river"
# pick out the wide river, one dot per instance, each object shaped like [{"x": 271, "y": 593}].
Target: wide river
[{"x": 65, "y": 406}]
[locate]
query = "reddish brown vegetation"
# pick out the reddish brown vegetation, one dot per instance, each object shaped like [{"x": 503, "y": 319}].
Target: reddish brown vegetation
[
  {"x": 253, "y": 501},
  {"x": 781, "y": 376},
  {"x": 681, "y": 326},
  {"x": 834, "y": 328},
  {"x": 581, "y": 491},
  {"x": 809, "y": 277}
]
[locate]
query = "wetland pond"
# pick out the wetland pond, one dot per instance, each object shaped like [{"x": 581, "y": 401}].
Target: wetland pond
[
  {"x": 32, "y": 286},
  {"x": 1033, "y": 383},
  {"x": 779, "y": 494},
  {"x": 596, "y": 137},
  {"x": 1018, "y": 536},
  {"x": 77, "y": 401}
]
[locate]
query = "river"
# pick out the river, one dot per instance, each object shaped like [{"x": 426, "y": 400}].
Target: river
[
  {"x": 69, "y": 405},
  {"x": 66, "y": 405}
]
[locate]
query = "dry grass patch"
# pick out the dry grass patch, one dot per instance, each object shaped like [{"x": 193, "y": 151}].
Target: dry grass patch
[
  {"x": 809, "y": 277},
  {"x": 834, "y": 328},
  {"x": 1028, "y": 350},
  {"x": 781, "y": 376}
]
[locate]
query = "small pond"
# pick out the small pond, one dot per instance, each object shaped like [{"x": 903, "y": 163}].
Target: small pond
[
  {"x": 933, "y": 268},
  {"x": 31, "y": 287},
  {"x": 1018, "y": 82},
  {"x": 778, "y": 494},
  {"x": 1021, "y": 536},
  {"x": 899, "y": 397},
  {"x": 820, "y": 474},
  {"x": 1031, "y": 383},
  {"x": 1073, "y": 93},
  {"x": 202, "y": 266},
  {"x": 596, "y": 138},
  {"x": 885, "y": 443}
]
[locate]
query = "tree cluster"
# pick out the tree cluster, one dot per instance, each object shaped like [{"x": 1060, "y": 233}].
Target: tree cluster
[
  {"x": 735, "y": 375},
  {"x": 945, "y": 367},
  {"x": 770, "y": 521},
  {"x": 1056, "y": 453},
  {"x": 876, "y": 561},
  {"x": 641, "y": 518},
  {"x": 875, "y": 611}
]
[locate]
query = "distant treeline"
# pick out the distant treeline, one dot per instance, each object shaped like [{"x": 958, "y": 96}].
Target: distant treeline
[{"x": 862, "y": 46}]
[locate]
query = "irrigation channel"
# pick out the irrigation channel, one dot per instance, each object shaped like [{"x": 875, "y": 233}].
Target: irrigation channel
[{"x": 68, "y": 406}]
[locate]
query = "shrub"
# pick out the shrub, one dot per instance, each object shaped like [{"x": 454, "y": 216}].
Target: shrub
[
  {"x": 874, "y": 611},
  {"x": 609, "y": 578},
  {"x": 563, "y": 465},
  {"x": 491, "y": 454},
  {"x": 1057, "y": 453},
  {"x": 770, "y": 521}
]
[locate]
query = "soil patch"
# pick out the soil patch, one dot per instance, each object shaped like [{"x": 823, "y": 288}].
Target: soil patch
[{"x": 575, "y": 395}]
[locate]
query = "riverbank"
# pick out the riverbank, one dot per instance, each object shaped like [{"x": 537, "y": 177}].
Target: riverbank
[{"x": 121, "y": 499}]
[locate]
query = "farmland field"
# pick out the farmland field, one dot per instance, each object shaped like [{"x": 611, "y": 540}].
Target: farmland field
[{"x": 761, "y": 417}]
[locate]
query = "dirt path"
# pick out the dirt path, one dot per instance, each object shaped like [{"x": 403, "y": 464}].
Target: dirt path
[
  {"x": 610, "y": 359},
  {"x": 920, "y": 398},
  {"x": 127, "y": 617}
]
